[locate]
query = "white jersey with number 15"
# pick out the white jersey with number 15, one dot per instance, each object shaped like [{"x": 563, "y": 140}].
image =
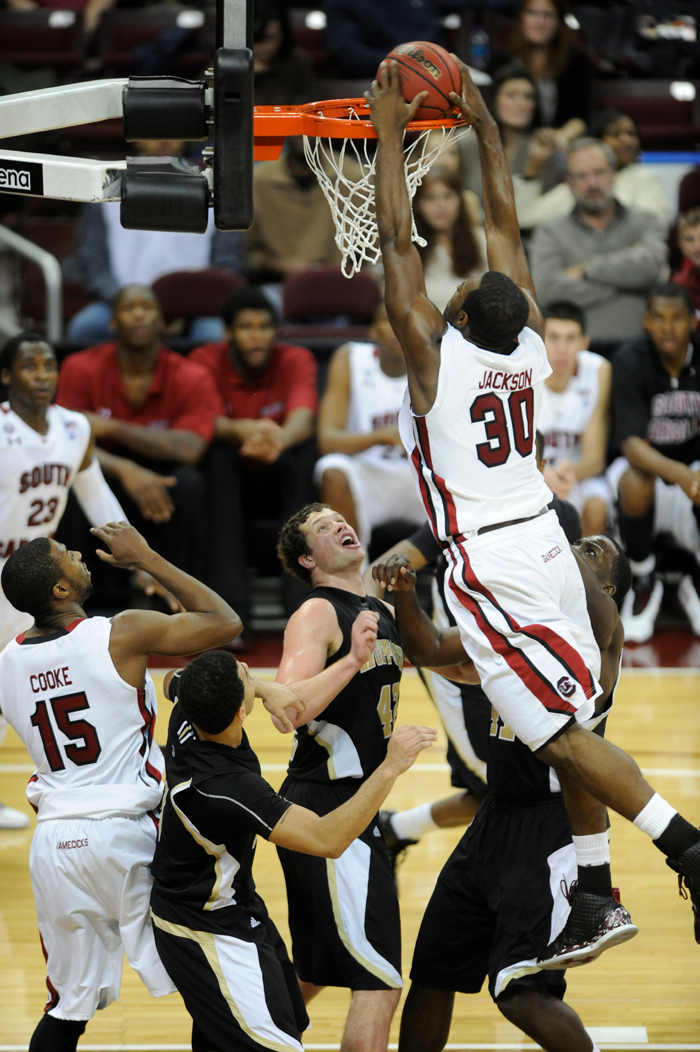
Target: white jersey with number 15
[{"x": 474, "y": 453}]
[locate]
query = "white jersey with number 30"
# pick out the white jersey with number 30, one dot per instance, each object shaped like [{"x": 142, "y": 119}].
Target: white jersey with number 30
[
  {"x": 474, "y": 452},
  {"x": 89, "y": 732}
]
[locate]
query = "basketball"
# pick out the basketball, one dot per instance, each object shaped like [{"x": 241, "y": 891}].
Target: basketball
[{"x": 427, "y": 67}]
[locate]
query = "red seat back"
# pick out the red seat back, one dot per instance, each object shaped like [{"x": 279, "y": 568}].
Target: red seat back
[
  {"x": 42, "y": 37},
  {"x": 326, "y": 292},
  {"x": 195, "y": 293}
]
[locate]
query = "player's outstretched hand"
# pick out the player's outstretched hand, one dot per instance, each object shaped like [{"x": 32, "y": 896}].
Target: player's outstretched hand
[
  {"x": 126, "y": 544},
  {"x": 471, "y": 102},
  {"x": 277, "y": 699},
  {"x": 390, "y": 112},
  {"x": 405, "y": 744},
  {"x": 364, "y": 636},
  {"x": 396, "y": 574}
]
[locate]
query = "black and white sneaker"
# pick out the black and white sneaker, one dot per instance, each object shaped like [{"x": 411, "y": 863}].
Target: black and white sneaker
[
  {"x": 641, "y": 608},
  {"x": 688, "y": 869},
  {"x": 596, "y": 923},
  {"x": 394, "y": 846}
]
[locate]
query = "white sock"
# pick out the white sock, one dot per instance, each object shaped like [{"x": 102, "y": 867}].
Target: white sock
[
  {"x": 645, "y": 567},
  {"x": 592, "y": 850},
  {"x": 3, "y": 729},
  {"x": 654, "y": 818},
  {"x": 411, "y": 825}
]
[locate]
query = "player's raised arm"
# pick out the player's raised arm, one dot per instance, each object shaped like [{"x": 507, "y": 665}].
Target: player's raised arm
[
  {"x": 504, "y": 249},
  {"x": 417, "y": 322},
  {"x": 208, "y": 621}
]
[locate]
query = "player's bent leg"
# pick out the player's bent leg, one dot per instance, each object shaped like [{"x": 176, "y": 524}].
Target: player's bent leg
[
  {"x": 594, "y": 517},
  {"x": 57, "y": 1035},
  {"x": 426, "y": 1019},
  {"x": 369, "y": 1020},
  {"x": 335, "y": 491},
  {"x": 545, "y": 1018}
]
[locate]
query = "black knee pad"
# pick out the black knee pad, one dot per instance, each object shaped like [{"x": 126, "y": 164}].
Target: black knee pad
[{"x": 57, "y": 1035}]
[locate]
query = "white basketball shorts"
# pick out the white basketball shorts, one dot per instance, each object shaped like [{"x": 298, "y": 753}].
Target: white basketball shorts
[
  {"x": 594, "y": 488},
  {"x": 382, "y": 489},
  {"x": 518, "y": 597},
  {"x": 92, "y": 888}
]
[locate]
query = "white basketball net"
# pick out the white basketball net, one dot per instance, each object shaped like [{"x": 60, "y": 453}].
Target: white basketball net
[{"x": 347, "y": 175}]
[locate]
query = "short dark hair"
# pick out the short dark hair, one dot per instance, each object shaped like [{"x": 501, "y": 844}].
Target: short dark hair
[
  {"x": 497, "y": 310},
  {"x": 602, "y": 121},
  {"x": 539, "y": 443},
  {"x": 211, "y": 691},
  {"x": 29, "y": 576},
  {"x": 134, "y": 285},
  {"x": 670, "y": 291},
  {"x": 620, "y": 574},
  {"x": 564, "y": 311},
  {"x": 246, "y": 298},
  {"x": 292, "y": 542},
  {"x": 8, "y": 355}
]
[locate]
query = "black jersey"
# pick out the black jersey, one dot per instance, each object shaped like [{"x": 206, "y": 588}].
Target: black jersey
[
  {"x": 216, "y": 804},
  {"x": 650, "y": 404},
  {"x": 349, "y": 740}
]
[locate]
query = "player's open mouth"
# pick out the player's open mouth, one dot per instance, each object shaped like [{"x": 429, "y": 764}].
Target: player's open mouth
[{"x": 349, "y": 542}]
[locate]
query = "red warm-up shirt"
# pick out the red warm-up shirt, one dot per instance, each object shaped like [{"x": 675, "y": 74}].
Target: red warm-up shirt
[
  {"x": 689, "y": 276},
  {"x": 289, "y": 381},
  {"x": 182, "y": 395}
]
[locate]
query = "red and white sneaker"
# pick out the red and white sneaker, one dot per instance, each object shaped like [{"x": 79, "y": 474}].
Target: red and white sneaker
[{"x": 596, "y": 923}]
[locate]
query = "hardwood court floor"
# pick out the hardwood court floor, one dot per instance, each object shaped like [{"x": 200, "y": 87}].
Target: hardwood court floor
[{"x": 652, "y": 982}]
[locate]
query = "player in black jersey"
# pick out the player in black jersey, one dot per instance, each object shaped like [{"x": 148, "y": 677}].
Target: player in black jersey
[
  {"x": 500, "y": 896},
  {"x": 212, "y": 929},
  {"x": 343, "y": 913}
]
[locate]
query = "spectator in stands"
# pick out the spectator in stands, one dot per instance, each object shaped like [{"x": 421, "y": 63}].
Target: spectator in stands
[
  {"x": 563, "y": 73},
  {"x": 574, "y": 418},
  {"x": 361, "y": 33},
  {"x": 516, "y": 110},
  {"x": 456, "y": 246},
  {"x": 152, "y": 413},
  {"x": 293, "y": 227},
  {"x": 109, "y": 257},
  {"x": 283, "y": 73},
  {"x": 262, "y": 462},
  {"x": 603, "y": 256},
  {"x": 364, "y": 473},
  {"x": 635, "y": 184},
  {"x": 689, "y": 240},
  {"x": 656, "y": 391}
]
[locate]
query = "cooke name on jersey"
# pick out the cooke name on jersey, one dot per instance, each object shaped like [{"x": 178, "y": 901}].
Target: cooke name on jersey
[{"x": 45, "y": 475}]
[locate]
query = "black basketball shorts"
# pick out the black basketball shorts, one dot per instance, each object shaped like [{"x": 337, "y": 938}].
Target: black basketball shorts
[
  {"x": 238, "y": 984},
  {"x": 498, "y": 902},
  {"x": 343, "y": 913}
]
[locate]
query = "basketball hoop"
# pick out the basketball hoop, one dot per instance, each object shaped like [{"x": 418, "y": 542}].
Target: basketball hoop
[{"x": 337, "y": 145}]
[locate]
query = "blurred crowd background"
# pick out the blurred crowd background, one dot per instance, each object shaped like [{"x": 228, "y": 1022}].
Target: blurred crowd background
[{"x": 254, "y": 344}]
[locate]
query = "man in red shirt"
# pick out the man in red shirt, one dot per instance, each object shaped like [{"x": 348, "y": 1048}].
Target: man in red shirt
[
  {"x": 262, "y": 461},
  {"x": 152, "y": 412}
]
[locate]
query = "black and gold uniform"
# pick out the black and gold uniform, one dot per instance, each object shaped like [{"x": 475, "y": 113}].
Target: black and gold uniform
[
  {"x": 344, "y": 913},
  {"x": 212, "y": 929}
]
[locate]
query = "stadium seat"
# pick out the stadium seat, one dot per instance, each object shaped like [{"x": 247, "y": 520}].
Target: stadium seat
[
  {"x": 41, "y": 38},
  {"x": 56, "y": 234},
  {"x": 123, "y": 29},
  {"x": 195, "y": 293}
]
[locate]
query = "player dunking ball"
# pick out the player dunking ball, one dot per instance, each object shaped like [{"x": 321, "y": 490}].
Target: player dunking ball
[
  {"x": 76, "y": 691},
  {"x": 343, "y": 657},
  {"x": 44, "y": 450},
  {"x": 475, "y": 380}
]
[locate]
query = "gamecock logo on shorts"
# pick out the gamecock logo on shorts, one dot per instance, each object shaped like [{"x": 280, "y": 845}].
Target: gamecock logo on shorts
[{"x": 565, "y": 687}]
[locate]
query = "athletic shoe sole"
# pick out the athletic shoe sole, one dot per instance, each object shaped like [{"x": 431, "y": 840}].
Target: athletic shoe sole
[
  {"x": 640, "y": 627},
  {"x": 580, "y": 955}
]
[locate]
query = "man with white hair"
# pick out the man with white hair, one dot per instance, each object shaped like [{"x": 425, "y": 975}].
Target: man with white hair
[{"x": 604, "y": 256}]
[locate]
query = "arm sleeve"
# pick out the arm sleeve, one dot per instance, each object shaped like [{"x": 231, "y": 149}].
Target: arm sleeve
[
  {"x": 630, "y": 407},
  {"x": 95, "y": 497},
  {"x": 637, "y": 267},
  {"x": 548, "y": 264},
  {"x": 425, "y": 542},
  {"x": 199, "y": 403},
  {"x": 302, "y": 390}
]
